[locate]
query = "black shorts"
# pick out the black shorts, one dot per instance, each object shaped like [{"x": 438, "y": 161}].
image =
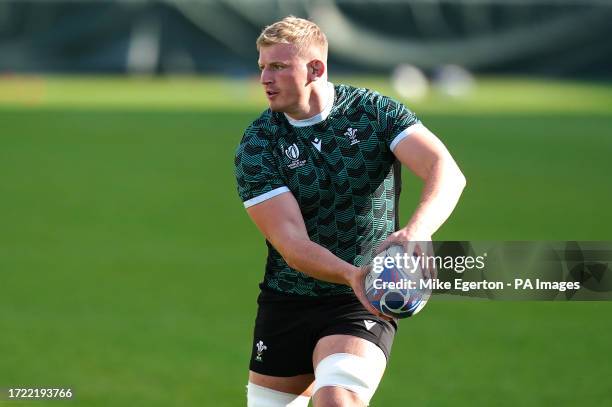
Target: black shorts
[{"x": 288, "y": 327}]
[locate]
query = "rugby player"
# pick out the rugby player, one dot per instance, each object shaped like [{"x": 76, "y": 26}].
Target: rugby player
[{"x": 319, "y": 174}]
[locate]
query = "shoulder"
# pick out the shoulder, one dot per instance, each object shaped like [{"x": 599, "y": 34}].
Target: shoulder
[
  {"x": 353, "y": 96},
  {"x": 260, "y": 130},
  {"x": 260, "y": 135},
  {"x": 368, "y": 99}
]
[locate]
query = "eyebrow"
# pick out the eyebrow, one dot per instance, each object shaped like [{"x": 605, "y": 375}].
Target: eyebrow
[{"x": 273, "y": 63}]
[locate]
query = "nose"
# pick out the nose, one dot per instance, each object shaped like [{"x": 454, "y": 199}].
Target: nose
[{"x": 266, "y": 77}]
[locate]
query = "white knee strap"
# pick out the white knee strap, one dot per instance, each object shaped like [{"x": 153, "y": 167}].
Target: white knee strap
[
  {"x": 259, "y": 396},
  {"x": 355, "y": 373}
]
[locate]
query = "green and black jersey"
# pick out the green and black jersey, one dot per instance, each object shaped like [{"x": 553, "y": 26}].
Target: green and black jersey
[{"x": 340, "y": 167}]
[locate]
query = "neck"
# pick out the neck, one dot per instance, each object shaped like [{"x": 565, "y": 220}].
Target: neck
[{"x": 317, "y": 100}]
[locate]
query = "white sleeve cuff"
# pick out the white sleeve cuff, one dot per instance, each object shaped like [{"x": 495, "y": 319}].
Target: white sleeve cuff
[
  {"x": 405, "y": 133},
  {"x": 266, "y": 196}
]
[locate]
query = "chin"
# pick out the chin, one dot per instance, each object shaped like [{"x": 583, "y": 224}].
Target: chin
[{"x": 275, "y": 107}]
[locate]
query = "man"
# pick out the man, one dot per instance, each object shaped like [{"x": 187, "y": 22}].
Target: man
[{"x": 318, "y": 173}]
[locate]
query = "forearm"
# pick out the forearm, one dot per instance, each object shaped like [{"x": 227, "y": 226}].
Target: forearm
[
  {"x": 316, "y": 261},
  {"x": 441, "y": 191}
]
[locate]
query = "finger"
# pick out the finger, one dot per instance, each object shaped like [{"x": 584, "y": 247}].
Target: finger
[
  {"x": 384, "y": 246},
  {"x": 383, "y": 316},
  {"x": 377, "y": 313},
  {"x": 412, "y": 248},
  {"x": 370, "y": 308},
  {"x": 359, "y": 292},
  {"x": 365, "y": 269}
]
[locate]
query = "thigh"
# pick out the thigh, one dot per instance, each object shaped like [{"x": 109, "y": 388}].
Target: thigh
[
  {"x": 329, "y": 345},
  {"x": 300, "y": 384},
  {"x": 345, "y": 315},
  {"x": 351, "y": 381},
  {"x": 283, "y": 338}
]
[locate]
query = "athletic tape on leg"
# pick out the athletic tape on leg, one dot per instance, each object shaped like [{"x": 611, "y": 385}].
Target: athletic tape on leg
[
  {"x": 259, "y": 396},
  {"x": 355, "y": 373}
]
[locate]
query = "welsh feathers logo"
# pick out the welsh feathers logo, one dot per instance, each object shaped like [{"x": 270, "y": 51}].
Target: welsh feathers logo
[
  {"x": 260, "y": 348},
  {"x": 351, "y": 133}
]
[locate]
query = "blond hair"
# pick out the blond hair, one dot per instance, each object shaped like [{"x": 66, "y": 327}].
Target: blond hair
[{"x": 293, "y": 30}]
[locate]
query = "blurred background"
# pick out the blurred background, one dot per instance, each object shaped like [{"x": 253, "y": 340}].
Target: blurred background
[
  {"x": 128, "y": 266},
  {"x": 552, "y": 37}
]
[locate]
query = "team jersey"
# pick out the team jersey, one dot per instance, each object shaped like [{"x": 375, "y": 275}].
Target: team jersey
[{"x": 341, "y": 170}]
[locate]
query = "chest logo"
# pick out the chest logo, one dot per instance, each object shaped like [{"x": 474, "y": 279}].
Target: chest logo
[
  {"x": 351, "y": 133},
  {"x": 293, "y": 153},
  {"x": 317, "y": 144}
]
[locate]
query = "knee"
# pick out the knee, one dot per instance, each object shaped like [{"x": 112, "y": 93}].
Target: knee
[
  {"x": 344, "y": 379},
  {"x": 336, "y": 397},
  {"x": 259, "y": 396}
]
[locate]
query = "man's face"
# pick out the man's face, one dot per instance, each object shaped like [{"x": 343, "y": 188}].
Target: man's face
[{"x": 284, "y": 77}]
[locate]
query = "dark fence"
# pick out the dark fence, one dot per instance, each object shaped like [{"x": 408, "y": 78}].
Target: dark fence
[{"x": 551, "y": 37}]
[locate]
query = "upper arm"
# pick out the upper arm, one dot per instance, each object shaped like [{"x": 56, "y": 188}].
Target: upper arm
[
  {"x": 411, "y": 142},
  {"x": 262, "y": 189},
  {"x": 421, "y": 150},
  {"x": 280, "y": 220}
]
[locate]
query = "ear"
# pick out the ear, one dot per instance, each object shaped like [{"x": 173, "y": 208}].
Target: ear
[{"x": 316, "y": 69}]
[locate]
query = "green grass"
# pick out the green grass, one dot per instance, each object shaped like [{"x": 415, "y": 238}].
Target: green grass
[
  {"x": 120, "y": 214},
  {"x": 243, "y": 94}
]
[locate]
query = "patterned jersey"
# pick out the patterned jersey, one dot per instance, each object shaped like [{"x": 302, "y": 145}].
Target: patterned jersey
[{"x": 341, "y": 171}]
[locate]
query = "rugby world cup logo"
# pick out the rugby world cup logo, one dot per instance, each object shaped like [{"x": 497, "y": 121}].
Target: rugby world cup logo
[{"x": 293, "y": 152}]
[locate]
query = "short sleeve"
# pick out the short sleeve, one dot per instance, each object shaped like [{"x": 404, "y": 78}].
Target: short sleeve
[
  {"x": 400, "y": 121},
  {"x": 256, "y": 174}
]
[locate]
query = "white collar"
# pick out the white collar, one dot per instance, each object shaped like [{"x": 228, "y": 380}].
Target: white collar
[{"x": 317, "y": 118}]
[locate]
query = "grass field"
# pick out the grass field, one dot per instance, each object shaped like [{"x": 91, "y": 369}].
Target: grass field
[{"x": 122, "y": 231}]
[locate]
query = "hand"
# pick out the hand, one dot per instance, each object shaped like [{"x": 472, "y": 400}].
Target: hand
[
  {"x": 403, "y": 236},
  {"x": 415, "y": 243},
  {"x": 356, "y": 281}
]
